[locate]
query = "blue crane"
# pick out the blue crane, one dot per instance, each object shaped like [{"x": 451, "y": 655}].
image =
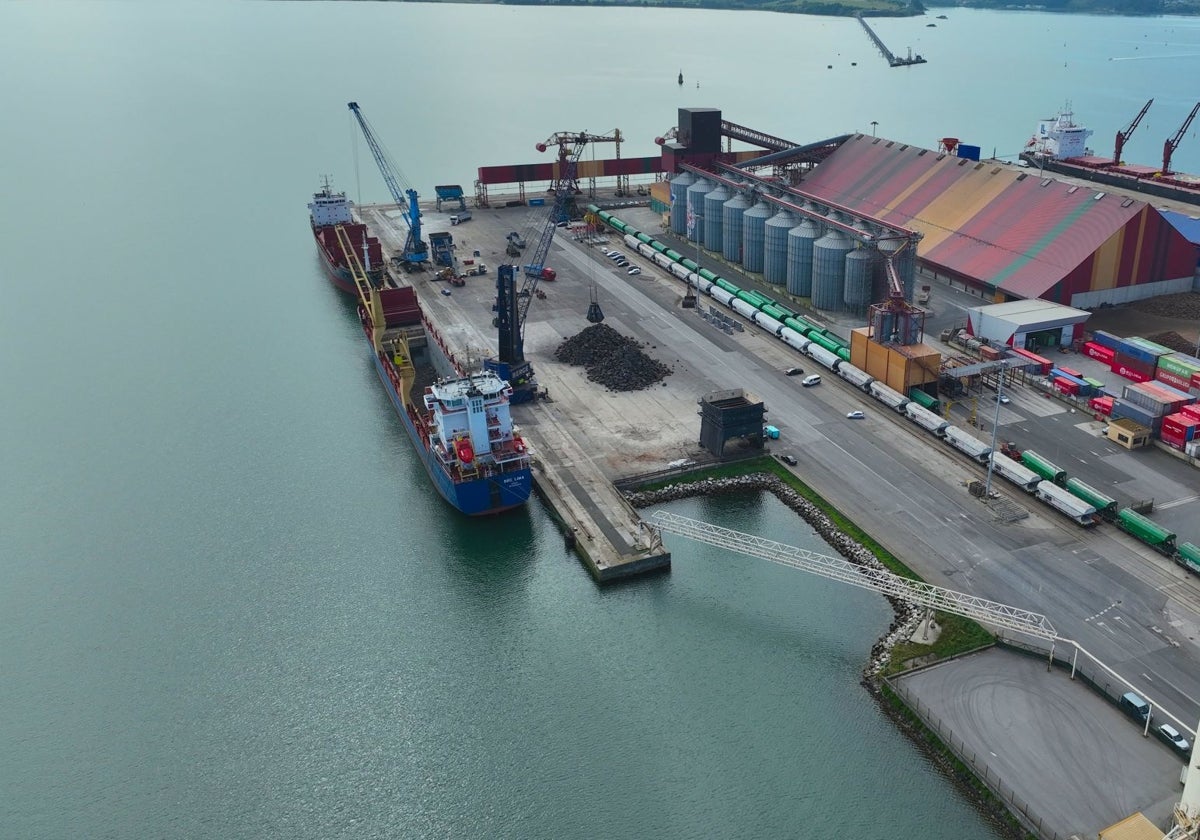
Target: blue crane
[
  {"x": 415, "y": 252},
  {"x": 512, "y": 305}
]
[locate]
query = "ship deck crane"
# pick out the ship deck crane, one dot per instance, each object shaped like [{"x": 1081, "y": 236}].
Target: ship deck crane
[
  {"x": 1123, "y": 136},
  {"x": 416, "y": 252},
  {"x": 1171, "y": 145},
  {"x": 512, "y": 305}
]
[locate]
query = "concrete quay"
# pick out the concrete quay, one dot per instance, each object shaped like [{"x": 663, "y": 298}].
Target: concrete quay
[{"x": 573, "y": 469}]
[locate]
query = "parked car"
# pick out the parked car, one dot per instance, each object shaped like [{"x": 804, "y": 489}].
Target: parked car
[
  {"x": 1177, "y": 741},
  {"x": 616, "y": 255},
  {"x": 1003, "y": 400},
  {"x": 790, "y": 460},
  {"x": 811, "y": 380},
  {"x": 634, "y": 270},
  {"x": 622, "y": 263},
  {"x": 855, "y": 415},
  {"x": 794, "y": 371}
]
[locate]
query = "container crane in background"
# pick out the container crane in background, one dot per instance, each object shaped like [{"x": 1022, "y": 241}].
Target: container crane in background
[
  {"x": 1123, "y": 136},
  {"x": 1171, "y": 145},
  {"x": 416, "y": 252},
  {"x": 512, "y": 305},
  {"x": 570, "y": 143}
]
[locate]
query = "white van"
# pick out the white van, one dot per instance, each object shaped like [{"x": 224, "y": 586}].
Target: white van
[{"x": 811, "y": 380}]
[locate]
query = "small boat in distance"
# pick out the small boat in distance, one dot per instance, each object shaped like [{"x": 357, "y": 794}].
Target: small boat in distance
[{"x": 681, "y": 77}]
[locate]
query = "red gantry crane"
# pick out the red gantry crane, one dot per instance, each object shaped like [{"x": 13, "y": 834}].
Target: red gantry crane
[
  {"x": 1171, "y": 145},
  {"x": 1123, "y": 136}
]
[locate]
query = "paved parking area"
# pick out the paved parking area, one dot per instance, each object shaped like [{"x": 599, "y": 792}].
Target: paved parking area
[{"x": 1077, "y": 762}]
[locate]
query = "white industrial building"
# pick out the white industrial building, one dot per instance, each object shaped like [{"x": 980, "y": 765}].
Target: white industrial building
[{"x": 1027, "y": 324}]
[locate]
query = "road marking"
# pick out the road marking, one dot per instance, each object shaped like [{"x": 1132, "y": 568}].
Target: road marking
[{"x": 1177, "y": 502}]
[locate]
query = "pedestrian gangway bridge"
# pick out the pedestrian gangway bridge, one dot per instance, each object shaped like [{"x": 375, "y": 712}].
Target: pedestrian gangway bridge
[{"x": 878, "y": 580}]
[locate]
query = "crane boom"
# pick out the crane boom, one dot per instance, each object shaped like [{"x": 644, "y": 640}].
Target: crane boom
[
  {"x": 415, "y": 251},
  {"x": 1171, "y": 145},
  {"x": 1123, "y": 136}
]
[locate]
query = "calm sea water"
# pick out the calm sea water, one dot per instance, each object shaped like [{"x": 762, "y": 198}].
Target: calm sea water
[{"x": 230, "y": 604}]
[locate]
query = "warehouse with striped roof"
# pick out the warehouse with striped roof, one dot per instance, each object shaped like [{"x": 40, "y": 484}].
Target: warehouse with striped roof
[{"x": 1008, "y": 232}]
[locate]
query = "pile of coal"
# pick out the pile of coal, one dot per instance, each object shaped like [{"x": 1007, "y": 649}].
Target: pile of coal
[
  {"x": 611, "y": 359},
  {"x": 1179, "y": 305},
  {"x": 1175, "y": 341}
]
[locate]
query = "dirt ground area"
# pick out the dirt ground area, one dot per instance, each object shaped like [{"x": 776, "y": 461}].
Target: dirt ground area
[{"x": 1149, "y": 319}]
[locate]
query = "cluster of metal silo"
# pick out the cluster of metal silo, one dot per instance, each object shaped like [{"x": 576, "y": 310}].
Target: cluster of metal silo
[
  {"x": 800, "y": 256},
  {"x": 714, "y": 203},
  {"x": 775, "y": 246},
  {"x": 679, "y": 185},
  {"x": 754, "y": 235},
  {"x": 856, "y": 292},
  {"x": 695, "y": 206},
  {"x": 829, "y": 269},
  {"x": 732, "y": 213}
]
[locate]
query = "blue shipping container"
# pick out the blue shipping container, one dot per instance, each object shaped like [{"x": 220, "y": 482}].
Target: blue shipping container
[
  {"x": 1085, "y": 387},
  {"x": 1123, "y": 409},
  {"x": 537, "y": 202},
  {"x": 1106, "y": 339},
  {"x": 968, "y": 152},
  {"x": 1141, "y": 354}
]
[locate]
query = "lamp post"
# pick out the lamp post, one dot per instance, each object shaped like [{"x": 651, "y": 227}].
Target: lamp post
[{"x": 874, "y": 123}]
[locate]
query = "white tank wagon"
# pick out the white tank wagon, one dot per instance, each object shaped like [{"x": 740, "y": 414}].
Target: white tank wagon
[
  {"x": 720, "y": 295},
  {"x": 661, "y": 260},
  {"x": 767, "y": 323},
  {"x": 632, "y": 241},
  {"x": 822, "y": 356},
  {"x": 744, "y": 309},
  {"x": 855, "y": 376},
  {"x": 1015, "y": 473},
  {"x": 1067, "y": 504},
  {"x": 705, "y": 287},
  {"x": 890, "y": 397},
  {"x": 926, "y": 419},
  {"x": 968, "y": 444},
  {"x": 794, "y": 339},
  {"x": 680, "y": 271}
]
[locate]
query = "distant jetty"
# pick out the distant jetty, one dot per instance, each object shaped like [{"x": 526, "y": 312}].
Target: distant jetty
[{"x": 892, "y": 59}]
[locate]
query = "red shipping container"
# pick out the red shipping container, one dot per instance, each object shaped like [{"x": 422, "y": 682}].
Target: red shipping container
[
  {"x": 1071, "y": 372},
  {"x": 1121, "y": 369},
  {"x": 1172, "y": 379},
  {"x": 1134, "y": 363},
  {"x": 1101, "y": 405},
  {"x": 1172, "y": 423},
  {"x": 1096, "y": 351},
  {"x": 1192, "y": 410},
  {"x": 1066, "y": 386},
  {"x": 1171, "y": 438}
]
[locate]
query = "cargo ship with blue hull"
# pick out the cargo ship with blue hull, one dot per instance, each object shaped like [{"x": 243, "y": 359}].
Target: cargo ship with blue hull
[
  {"x": 329, "y": 210},
  {"x": 461, "y": 425}
]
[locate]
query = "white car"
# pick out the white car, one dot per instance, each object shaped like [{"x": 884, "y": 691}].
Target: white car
[
  {"x": 634, "y": 270},
  {"x": 1003, "y": 400},
  {"x": 1176, "y": 740},
  {"x": 855, "y": 415},
  {"x": 811, "y": 380}
]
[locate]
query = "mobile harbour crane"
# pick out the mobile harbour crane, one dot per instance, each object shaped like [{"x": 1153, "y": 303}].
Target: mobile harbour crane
[{"x": 416, "y": 252}]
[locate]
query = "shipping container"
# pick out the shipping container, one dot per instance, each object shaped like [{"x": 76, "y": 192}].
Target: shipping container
[
  {"x": 1172, "y": 379},
  {"x": 1070, "y": 372},
  {"x": 1184, "y": 366},
  {"x": 1130, "y": 369},
  {"x": 1125, "y": 409},
  {"x": 1066, "y": 386},
  {"x": 1101, "y": 405},
  {"x": 1099, "y": 352},
  {"x": 1146, "y": 530},
  {"x": 1171, "y": 439},
  {"x": 1182, "y": 424},
  {"x": 1137, "y": 353},
  {"x": 1105, "y": 339},
  {"x": 1043, "y": 365},
  {"x": 1150, "y": 346},
  {"x": 1043, "y": 466},
  {"x": 1106, "y": 506},
  {"x": 1096, "y": 385}
]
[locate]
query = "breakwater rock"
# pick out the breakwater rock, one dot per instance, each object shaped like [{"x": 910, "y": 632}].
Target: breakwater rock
[{"x": 906, "y": 617}]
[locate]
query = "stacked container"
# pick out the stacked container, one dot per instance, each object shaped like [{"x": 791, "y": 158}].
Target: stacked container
[
  {"x": 1070, "y": 382},
  {"x": 1179, "y": 371},
  {"x": 1101, "y": 405},
  {"x": 1179, "y": 429}
]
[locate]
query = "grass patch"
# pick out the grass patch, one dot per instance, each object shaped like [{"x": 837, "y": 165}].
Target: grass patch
[{"x": 958, "y": 635}]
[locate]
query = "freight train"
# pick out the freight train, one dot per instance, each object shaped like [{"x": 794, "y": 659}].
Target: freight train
[{"x": 1033, "y": 474}]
